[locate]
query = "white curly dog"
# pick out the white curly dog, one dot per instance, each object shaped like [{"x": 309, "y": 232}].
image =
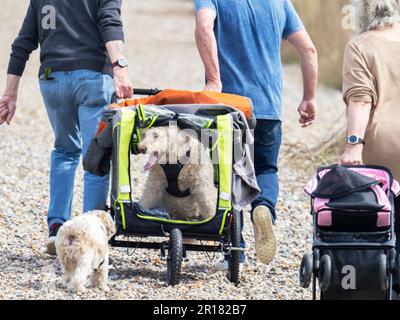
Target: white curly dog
[
  {"x": 175, "y": 154},
  {"x": 82, "y": 249}
]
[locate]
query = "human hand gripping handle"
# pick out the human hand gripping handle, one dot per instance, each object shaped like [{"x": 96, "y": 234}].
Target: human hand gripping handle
[
  {"x": 352, "y": 156},
  {"x": 122, "y": 83},
  {"x": 213, "y": 86}
]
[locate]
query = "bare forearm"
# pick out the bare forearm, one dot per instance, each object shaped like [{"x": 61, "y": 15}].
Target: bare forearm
[
  {"x": 304, "y": 46},
  {"x": 115, "y": 50},
  {"x": 12, "y": 86},
  {"x": 358, "y": 114},
  {"x": 208, "y": 49},
  {"x": 309, "y": 67}
]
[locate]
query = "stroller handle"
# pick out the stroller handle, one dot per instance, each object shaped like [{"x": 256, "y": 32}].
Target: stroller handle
[
  {"x": 146, "y": 92},
  {"x": 139, "y": 92}
]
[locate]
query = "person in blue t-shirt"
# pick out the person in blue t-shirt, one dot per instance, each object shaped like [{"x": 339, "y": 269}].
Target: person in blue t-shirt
[{"x": 240, "y": 45}]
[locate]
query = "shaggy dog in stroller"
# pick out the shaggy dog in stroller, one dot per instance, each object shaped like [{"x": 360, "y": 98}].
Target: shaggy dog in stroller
[
  {"x": 82, "y": 249},
  {"x": 181, "y": 174}
]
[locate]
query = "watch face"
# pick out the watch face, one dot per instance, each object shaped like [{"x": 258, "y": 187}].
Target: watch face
[
  {"x": 353, "y": 139},
  {"x": 122, "y": 63}
]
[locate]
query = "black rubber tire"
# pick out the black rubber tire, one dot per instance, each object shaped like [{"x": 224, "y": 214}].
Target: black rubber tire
[
  {"x": 398, "y": 270},
  {"x": 306, "y": 271},
  {"x": 392, "y": 260},
  {"x": 325, "y": 272},
  {"x": 384, "y": 272},
  {"x": 234, "y": 256},
  {"x": 175, "y": 257}
]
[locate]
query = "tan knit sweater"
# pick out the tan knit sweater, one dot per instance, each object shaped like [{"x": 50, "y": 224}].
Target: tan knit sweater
[{"x": 372, "y": 74}]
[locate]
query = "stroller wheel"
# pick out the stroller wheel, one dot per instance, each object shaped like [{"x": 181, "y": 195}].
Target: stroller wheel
[
  {"x": 306, "y": 271},
  {"x": 383, "y": 270},
  {"x": 392, "y": 260},
  {"x": 234, "y": 256},
  {"x": 325, "y": 272},
  {"x": 175, "y": 257}
]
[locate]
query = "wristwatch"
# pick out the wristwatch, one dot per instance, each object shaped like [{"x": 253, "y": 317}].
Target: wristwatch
[
  {"x": 354, "y": 140},
  {"x": 122, "y": 63}
]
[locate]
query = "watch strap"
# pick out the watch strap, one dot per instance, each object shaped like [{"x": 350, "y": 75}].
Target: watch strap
[{"x": 118, "y": 63}]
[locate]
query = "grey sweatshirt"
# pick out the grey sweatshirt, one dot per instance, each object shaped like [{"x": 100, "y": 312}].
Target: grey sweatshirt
[{"x": 71, "y": 33}]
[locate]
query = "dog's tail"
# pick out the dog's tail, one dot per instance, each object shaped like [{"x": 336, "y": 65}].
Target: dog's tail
[
  {"x": 70, "y": 250},
  {"x": 72, "y": 239}
]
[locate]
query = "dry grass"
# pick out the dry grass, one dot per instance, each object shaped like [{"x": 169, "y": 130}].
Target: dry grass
[
  {"x": 323, "y": 20},
  {"x": 305, "y": 160}
]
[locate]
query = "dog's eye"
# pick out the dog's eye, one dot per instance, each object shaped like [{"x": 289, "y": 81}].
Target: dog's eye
[{"x": 155, "y": 136}]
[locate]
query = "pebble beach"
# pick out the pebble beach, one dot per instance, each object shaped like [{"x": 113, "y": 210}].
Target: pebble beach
[{"x": 162, "y": 53}]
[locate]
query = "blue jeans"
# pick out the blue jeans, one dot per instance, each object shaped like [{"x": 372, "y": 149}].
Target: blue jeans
[
  {"x": 268, "y": 140},
  {"x": 75, "y": 102}
]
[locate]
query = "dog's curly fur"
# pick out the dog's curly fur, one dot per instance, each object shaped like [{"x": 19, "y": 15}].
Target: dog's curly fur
[
  {"x": 82, "y": 249},
  {"x": 376, "y": 14},
  {"x": 197, "y": 175}
]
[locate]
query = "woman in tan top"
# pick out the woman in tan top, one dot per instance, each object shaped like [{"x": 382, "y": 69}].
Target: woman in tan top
[{"x": 371, "y": 87}]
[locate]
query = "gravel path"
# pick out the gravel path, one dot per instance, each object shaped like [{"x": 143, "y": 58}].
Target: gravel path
[{"x": 162, "y": 54}]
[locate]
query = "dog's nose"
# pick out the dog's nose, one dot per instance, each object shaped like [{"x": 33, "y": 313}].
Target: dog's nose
[{"x": 142, "y": 149}]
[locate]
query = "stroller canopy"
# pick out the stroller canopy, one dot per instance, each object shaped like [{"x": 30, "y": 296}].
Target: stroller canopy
[
  {"x": 182, "y": 97},
  {"x": 341, "y": 181},
  {"x": 338, "y": 181}
]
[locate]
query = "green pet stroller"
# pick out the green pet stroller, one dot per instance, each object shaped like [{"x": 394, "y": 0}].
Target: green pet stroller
[{"x": 229, "y": 138}]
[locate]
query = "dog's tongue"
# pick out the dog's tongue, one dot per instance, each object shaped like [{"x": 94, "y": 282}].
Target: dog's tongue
[{"x": 151, "y": 162}]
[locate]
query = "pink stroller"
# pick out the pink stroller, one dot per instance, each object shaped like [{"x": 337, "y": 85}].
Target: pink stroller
[{"x": 354, "y": 243}]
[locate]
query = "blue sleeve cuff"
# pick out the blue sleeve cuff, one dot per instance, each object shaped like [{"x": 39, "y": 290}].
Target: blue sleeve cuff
[
  {"x": 204, "y": 4},
  {"x": 288, "y": 33},
  {"x": 293, "y": 22}
]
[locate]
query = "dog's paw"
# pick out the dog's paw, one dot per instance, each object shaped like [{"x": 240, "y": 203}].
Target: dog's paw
[
  {"x": 105, "y": 288},
  {"x": 73, "y": 288}
]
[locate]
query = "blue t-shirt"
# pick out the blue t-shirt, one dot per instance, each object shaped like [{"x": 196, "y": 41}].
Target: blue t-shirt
[{"x": 249, "y": 35}]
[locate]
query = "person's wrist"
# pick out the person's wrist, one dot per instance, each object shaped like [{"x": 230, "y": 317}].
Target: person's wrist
[
  {"x": 118, "y": 69},
  {"x": 216, "y": 85},
  {"x": 308, "y": 99},
  {"x": 11, "y": 94},
  {"x": 355, "y": 146},
  {"x": 309, "y": 95},
  {"x": 214, "y": 80}
]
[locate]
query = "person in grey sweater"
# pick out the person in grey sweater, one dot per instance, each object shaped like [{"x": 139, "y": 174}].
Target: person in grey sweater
[{"x": 82, "y": 66}]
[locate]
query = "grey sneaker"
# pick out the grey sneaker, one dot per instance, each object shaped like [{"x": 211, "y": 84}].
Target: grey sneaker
[
  {"x": 266, "y": 245},
  {"x": 51, "y": 243}
]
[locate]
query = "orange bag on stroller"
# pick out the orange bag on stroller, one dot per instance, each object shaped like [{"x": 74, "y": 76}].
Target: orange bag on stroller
[{"x": 168, "y": 97}]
